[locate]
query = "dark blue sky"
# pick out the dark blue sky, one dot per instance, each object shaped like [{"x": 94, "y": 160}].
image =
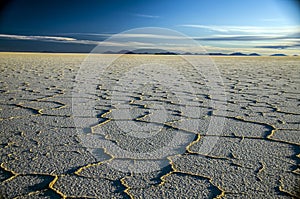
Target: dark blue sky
[{"x": 207, "y": 19}]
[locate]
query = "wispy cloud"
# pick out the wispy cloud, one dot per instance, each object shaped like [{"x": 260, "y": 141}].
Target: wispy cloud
[
  {"x": 214, "y": 37},
  {"x": 294, "y": 46},
  {"x": 114, "y": 42},
  {"x": 217, "y": 42},
  {"x": 145, "y": 15},
  {"x": 26, "y": 37},
  {"x": 48, "y": 39},
  {"x": 258, "y": 49},
  {"x": 162, "y": 35},
  {"x": 293, "y": 37},
  {"x": 235, "y": 38},
  {"x": 247, "y": 38},
  {"x": 89, "y": 34},
  {"x": 247, "y": 29}
]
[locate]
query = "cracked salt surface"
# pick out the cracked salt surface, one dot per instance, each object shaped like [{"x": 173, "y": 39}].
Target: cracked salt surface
[{"x": 256, "y": 156}]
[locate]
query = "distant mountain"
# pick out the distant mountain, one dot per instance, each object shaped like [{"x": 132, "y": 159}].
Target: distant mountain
[
  {"x": 237, "y": 54},
  {"x": 143, "y": 51},
  {"x": 234, "y": 54},
  {"x": 147, "y": 51},
  {"x": 119, "y": 52},
  {"x": 254, "y": 54},
  {"x": 218, "y": 54},
  {"x": 278, "y": 54},
  {"x": 164, "y": 52},
  {"x": 124, "y": 52}
]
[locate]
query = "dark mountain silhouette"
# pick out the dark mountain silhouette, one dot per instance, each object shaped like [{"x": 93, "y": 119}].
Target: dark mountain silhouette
[
  {"x": 238, "y": 54},
  {"x": 219, "y": 54},
  {"x": 143, "y": 51},
  {"x": 129, "y": 52},
  {"x": 148, "y": 51},
  {"x": 124, "y": 52},
  {"x": 254, "y": 54},
  {"x": 166, "y": 53},
  {"x": 278, "y": 55}
]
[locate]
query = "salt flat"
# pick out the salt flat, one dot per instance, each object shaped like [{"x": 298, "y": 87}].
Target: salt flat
[{"x": 124, "y": 151}]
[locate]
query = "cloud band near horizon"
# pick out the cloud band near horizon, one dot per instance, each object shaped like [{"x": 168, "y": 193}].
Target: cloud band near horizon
[{"x": 264, "y": 38}]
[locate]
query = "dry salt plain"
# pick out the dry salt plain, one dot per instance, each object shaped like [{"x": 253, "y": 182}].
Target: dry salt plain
[{"x": 139, "y": 112}]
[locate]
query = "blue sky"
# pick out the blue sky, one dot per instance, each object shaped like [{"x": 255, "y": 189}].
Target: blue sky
[{"x": 263, "y": 26}]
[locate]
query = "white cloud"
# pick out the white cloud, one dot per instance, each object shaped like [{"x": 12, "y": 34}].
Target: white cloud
[
  {"x": 48, "y": 38},
  {"x": 262, "y": 51},
  {"x": 149, "y": 36},
  {"x": 282, "y": 30},
  {"x": 25, "y": 37},
  {"x": 146, "y": 16},
  {"x": 183, "y": 44}
]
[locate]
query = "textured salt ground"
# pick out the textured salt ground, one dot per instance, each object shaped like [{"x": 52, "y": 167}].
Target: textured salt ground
[{"x": 256, "y": 156}]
